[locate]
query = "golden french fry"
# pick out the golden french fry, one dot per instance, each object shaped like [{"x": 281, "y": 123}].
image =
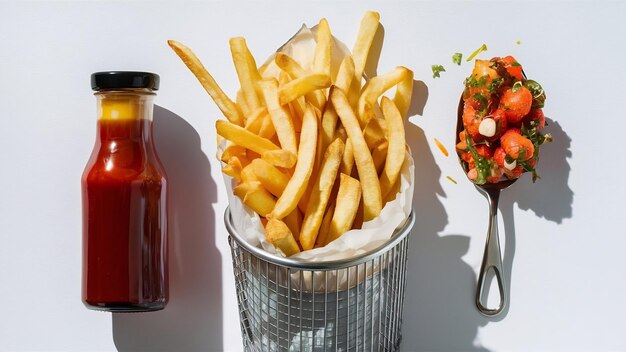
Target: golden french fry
[
  {"x": 346, "y": 207},
  {"x": 321, "y": 57},
  {"x": 223, "y": 102},
  {"x": 322, "y": 236},
  {"x": 372, "y": 199},
  {"x": 283, "y": 124},
  {"x": 280, "y": 158},
  {"x": 234, "y": 166},
  {"x": 294, "y": 222},
  {"x": 241, "y": 136},
  {"x": 230, "y": 171},
  {"x": 298, "y": 105},
  {"x": 289, "y": 65},
  {"x": 254, "y": 121},
  {"x": 319, "y": 153},
  {"x": 247, "y": 174},
  {"x": 345, "y": 75},
  {"x": 360, "y": 51},
  {"x": 232, "y": 150},
  {"x": 246, "y": 71},
  {"x": 306, "y": 157},
  {"x": 375, "y": 87},
  {"x": 393, "y": 193},
  {"x": 404, "y": 92},
  {"x": 302, "y": 86},
  {"x": 256, "y": 197},
  {"x": 243, "y": 106},
  {"x": 375, "y": 132},
  {"x": 320, "y": 194},
  {"x": 396, "y": 149},
  {"x": 267, "y": 128},
  {"x": 379, "y": 155},
  {"x": 347, "y": 161},
  {"x": 270, "y": 177},
  {"x": 329, "y": 123},
  {"x": 278, "y": 234}
]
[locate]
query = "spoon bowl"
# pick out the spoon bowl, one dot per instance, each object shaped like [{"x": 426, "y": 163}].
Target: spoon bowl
[{"x": 492, "y": 259}]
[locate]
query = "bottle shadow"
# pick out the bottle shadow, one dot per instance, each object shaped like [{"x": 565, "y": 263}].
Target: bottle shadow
[
  {"x": 439, "y": 312},
  {"x": 192, "y": 320}
]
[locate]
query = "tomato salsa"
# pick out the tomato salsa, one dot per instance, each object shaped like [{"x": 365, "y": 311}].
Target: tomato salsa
[{"x": 502, "y": 120}]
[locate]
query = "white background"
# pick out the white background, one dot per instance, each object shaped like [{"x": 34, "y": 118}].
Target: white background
[{"x": 565, "y": 237}]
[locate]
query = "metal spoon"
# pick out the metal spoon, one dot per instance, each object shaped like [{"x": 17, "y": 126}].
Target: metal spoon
[{"x": 492, "y": 258}]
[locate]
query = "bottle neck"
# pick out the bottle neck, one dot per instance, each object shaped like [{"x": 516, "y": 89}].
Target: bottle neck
[
  {"x": 131, "y": 104},
  {"x": 125, "y": 114}
]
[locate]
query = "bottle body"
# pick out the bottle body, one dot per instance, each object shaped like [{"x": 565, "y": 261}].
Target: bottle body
[{"x": 124, "y": 194}]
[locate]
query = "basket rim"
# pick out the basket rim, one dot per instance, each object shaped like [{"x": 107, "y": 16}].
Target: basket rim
[{"x": 399, "y": 234}]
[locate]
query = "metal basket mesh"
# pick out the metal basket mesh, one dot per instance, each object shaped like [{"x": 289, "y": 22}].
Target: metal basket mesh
[{"x": 356, "y": 306}]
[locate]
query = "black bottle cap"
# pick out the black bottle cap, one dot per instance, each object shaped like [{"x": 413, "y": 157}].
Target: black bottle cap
[{"x": 124, "y": 79}]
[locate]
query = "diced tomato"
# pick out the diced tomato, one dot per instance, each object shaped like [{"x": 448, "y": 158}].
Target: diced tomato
[
  {"x": 472, "y": 174},
  {"x": 516, "y": 104},
  {"x": 498, "y": 156},
  {"x": 516, "y": 145},
  {"x": 462, "y": 145},
  {"x": 471, "y": 122},
  {"x": 536, "y": 118},
  {"x": 484, "y": 151},
  {"x": 512, "y": 67},
  {"x": 496, "y": 175}
]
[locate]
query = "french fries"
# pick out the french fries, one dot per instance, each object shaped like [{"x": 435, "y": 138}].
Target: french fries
[
  {"x": 346, "y": 207},
  {"x": 283, "y": 124},
  {"x": 320, "y": 194},
  {"x": 372, "y": 200},
  {"x": 396, "y": 146},
  {"x": 376, "y": 87},
  {"x": 306, "y": 157},
  {"x": 279, "y": 234},
  {"x": 223, "y": 102},
  {"x": 297, "y": 129}
]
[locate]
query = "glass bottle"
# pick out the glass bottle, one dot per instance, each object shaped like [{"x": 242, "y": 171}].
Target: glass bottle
[{"x": 124, "y": 196}]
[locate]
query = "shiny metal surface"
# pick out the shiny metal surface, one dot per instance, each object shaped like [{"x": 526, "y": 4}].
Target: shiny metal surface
[
  {"x": 492, "y": 258},
  {"x": 346, "y": 305}
]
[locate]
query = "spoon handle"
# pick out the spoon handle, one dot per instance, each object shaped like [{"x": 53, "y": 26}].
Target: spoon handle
[{"x": 491, "y": 258}]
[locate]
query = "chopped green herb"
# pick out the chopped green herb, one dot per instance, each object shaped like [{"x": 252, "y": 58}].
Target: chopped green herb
[
  {"x": 473, "y": 82},
  {"x": 518, "y": 42},
  {"x": 516, "y": 86},
  {"x": 476, "y": 52},
  {"x": 451, "y": 180},
  {"x": 483, "y": 165},
  {"x": 539, "y": 96},
  {"x": 437, "y": 69},
  {"x": 515, "y": 64},
  {"x": 457, "y": 57},
  {"x": 495, "y": 84},
  {"x": 482, "y": 100}
]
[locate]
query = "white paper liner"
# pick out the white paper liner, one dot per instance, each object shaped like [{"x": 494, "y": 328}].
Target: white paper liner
[{"x": 352, "y": 243}]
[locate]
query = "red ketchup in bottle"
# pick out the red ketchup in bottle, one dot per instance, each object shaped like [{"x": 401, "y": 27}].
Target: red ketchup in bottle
[{"x": 124, "y": 195}]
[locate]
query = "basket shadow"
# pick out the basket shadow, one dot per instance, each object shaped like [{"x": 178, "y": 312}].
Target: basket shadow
[
  {"x": 439, "y": 312},
  {"x": 192, "y": 320}
]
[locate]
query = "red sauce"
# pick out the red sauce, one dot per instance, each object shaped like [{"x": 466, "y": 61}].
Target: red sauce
[{"x": 124, "y": 220}]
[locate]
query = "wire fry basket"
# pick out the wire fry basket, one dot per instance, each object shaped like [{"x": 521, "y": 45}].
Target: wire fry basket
[{"x": 342, "y": 305}]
